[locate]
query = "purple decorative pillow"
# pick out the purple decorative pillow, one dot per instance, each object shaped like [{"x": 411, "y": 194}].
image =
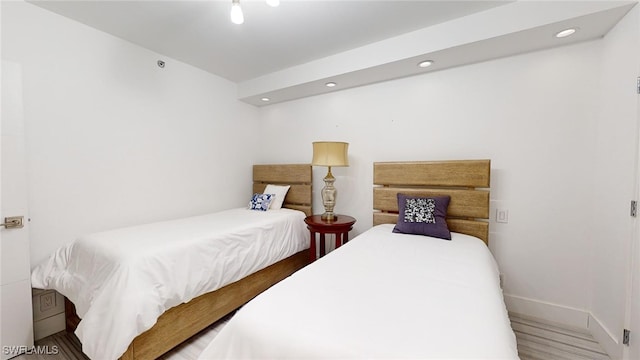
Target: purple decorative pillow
[{"x": 423, "y": 216}]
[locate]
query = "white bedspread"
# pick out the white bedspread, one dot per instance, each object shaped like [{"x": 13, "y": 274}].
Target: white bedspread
[
  {"x": 382, "y": 295},
  {"x": 122, "y": 280}
]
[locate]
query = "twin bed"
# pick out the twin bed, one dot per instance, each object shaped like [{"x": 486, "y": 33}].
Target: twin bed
[
  {"x": 381, "y": 295},
  {"x": 386, "y": 294},
  {"x": 191, "y": 271}
]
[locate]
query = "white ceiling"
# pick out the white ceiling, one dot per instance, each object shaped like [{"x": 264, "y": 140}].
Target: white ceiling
[{"x": 290, "y": 51}]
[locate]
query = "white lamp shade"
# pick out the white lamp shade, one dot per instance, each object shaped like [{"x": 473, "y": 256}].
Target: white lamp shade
[{"x": 330, "y": 153}]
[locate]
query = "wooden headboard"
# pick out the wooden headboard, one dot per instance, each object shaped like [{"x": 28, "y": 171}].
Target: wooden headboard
[
  {"x": 299, "y": 176},
  {"x": 466, "y": 181}
]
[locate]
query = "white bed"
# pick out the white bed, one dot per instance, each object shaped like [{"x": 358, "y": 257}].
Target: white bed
[
  {"x": 121, "y": 281},
  {"x": 382, "y": 295},
  {"x": 391, "y": 295}
]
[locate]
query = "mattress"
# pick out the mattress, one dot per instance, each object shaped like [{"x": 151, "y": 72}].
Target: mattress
[
  {"x": 122, "y": 280},
  {"x": 381, "y": 295}
]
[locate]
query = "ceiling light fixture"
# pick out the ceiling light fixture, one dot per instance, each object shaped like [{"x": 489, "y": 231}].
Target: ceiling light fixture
[
  {"x": 236, "y": 12},
  {"x": 566, "y": 32},
  {"x": 426, "y": 63},
  {"x": 265, "y": 99},
  {"x": 237, "y": 17},
  {"x": 330, "y": 84}
]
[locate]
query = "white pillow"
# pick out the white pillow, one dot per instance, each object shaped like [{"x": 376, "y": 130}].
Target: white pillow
[{"x": 280, "y": 192}]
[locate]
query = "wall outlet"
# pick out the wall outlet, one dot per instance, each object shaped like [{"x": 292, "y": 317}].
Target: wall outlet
[{"x": 47, "y": 301}]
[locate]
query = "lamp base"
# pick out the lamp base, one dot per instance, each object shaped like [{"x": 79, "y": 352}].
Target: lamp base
[
  {"x": 329, "y": 216},
  {"x": 329, "y": 194}
]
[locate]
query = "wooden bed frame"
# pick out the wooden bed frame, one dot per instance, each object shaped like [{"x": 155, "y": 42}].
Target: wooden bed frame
[
  {"x": 183, "y": 321},
  {"x": 466, "y": 181}
]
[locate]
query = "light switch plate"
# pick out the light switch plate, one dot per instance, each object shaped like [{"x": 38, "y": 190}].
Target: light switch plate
[{"x": 502, "y": 216}]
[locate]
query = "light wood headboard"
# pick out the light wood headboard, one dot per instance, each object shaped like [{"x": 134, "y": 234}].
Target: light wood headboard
[
  {"x": 466, "y": 181},
  {"x": 299, "y": 176}
]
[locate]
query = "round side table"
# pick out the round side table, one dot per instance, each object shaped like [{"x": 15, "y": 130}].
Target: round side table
[{"x": 340, "y": 226}]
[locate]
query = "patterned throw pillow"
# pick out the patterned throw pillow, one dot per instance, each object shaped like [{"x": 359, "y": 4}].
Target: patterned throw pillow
[
  {"x": 423, "y": 216},
  {"x": 260, "y": 202}
]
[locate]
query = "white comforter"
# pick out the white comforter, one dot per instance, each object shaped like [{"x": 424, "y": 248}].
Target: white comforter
[
  {"x": 122, "y": 280},
  {"x": 382, "y": 295}
]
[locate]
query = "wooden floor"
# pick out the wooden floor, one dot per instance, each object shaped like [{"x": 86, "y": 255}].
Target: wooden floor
[
  {"x": 542, "y": 340},
  {"x": 537, "y": 340}
]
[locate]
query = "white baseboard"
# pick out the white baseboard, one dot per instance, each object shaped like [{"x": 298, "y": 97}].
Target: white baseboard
[
  {"x": 609, "y": 342},
  {"x": 567, "y": 316},
  {"x": 564, "y": 315}
]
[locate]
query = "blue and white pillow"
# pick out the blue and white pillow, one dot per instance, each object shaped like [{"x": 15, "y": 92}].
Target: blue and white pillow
[{"x": 260, "y": 202}]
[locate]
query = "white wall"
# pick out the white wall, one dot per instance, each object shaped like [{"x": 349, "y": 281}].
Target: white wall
[
  {"x": 533, "y": 115},
  {"x": 615, "y": 170},
  {"x": 114, "y": 140},
  {"x": 561, "y": 129}
]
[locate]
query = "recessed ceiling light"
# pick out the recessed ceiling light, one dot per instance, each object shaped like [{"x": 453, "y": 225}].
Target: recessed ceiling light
[
  {"x": 566, "y": 32},
  {"x": 426, "y": 63},
  {"x": 265, "y": 99},
  {"x": 330, "y": 84}
]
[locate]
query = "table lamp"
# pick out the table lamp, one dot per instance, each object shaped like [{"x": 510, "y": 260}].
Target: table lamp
[{"x": 329, "y": 153}]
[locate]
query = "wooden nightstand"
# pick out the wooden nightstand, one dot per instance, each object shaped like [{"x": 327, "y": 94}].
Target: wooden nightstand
[{"x": 340, "y": 227}]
